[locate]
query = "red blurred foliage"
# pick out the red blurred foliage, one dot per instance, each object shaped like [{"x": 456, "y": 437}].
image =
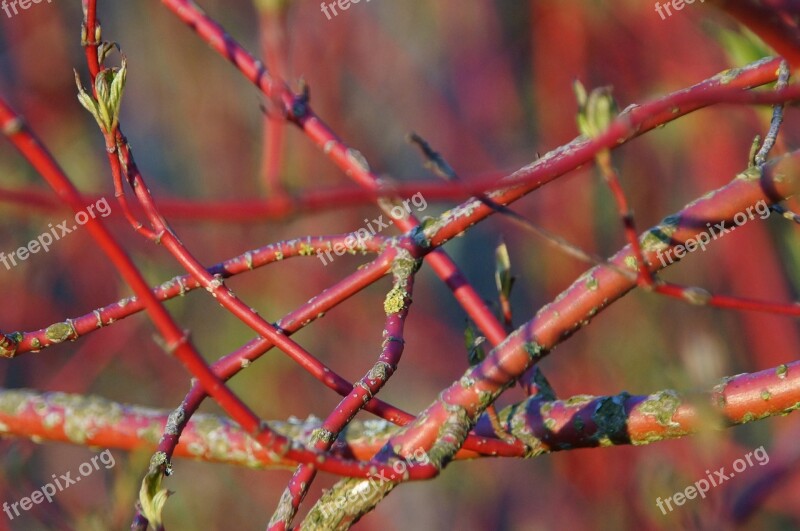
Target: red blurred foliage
[{"x": 489, "y": 85}]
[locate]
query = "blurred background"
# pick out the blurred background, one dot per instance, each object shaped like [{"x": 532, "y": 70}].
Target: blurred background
[{"x": 489, "y": 85}]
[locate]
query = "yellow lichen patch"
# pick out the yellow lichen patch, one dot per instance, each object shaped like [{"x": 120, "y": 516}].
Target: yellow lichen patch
[
  {"x": 395, "y": 300},
  {"x": 58, "y": 332}
]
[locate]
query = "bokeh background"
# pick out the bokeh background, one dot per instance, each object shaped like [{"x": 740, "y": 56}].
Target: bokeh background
[{"x": 489, "y": 84}]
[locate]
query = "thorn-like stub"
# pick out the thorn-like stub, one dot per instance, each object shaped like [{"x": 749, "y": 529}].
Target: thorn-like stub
[{"x": 300, "y": 108}]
